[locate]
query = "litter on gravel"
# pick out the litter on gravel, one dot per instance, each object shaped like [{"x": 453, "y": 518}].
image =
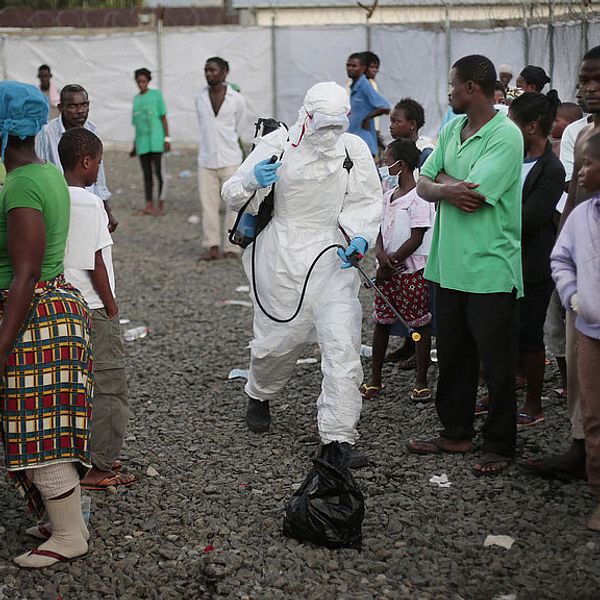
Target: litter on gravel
[
  {"x": 245, "y": 303},
  {"x": 441, "y": 480},
  {"x": 504, "y": 541},
  {"x": 238, "y": 374}
]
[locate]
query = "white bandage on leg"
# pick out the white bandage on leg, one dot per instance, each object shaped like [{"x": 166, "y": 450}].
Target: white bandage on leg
[
  {"x": 54, "y": 480},
  {"x": 69, "y": 532}
]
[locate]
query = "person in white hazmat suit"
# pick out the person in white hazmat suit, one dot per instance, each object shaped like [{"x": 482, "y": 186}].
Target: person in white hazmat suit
[{"x": 318, "y": 201}]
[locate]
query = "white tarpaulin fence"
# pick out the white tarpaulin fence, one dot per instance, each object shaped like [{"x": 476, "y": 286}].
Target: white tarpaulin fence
[{"x": 275, "y": 66}]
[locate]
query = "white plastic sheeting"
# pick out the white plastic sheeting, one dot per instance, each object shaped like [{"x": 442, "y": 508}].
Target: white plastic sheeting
[
  {"x": 307, "y": 55},
  {"x": 103, "y": 64},
  {"x": 505, "y": 45},
  {"x": 248, "y": 52},
  {"x": 414, "y": 63}
]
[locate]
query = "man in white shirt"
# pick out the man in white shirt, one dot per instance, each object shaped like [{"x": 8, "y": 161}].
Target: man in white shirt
[
  {"x": 221, "y": 112},
  {"x": 74, "y": 109}
]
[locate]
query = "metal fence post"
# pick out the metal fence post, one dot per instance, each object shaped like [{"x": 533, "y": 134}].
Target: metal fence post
[
  {"x": 448, "y": 29},
  {"x": 526, "y": 32},
  {"x": 159, "y": 47},
  {"x": 551, "y": 38},
  {"x": 273, "y": 66},
  {"x": 585, "y": 26}
]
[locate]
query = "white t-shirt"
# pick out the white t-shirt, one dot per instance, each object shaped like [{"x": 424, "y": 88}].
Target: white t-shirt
[
  {"x": 567, "y": 145},
  {"x": 88, "y": 233},
  {"x": 527, "y": 166},
  {"x": 219, "y": 133}
]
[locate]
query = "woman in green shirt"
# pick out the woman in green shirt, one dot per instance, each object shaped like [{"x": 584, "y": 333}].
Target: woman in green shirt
[
  {"x": 151, "y": 139},
  {"x": 45, "y": 355}
]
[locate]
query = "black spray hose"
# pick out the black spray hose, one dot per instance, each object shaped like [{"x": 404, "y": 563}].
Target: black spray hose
[
  {"x": 304, "y": 286},
  {"x": 415, "y": 335}
]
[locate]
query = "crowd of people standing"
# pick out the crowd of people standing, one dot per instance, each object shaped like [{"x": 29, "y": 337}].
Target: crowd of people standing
[{"x": 464, "y": 232}]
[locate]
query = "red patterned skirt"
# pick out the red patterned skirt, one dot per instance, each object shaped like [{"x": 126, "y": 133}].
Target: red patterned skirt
[{"x": 408, "y": 293}]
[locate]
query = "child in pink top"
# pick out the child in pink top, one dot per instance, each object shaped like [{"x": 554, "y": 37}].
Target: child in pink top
[{"x": 402, "y": 249}]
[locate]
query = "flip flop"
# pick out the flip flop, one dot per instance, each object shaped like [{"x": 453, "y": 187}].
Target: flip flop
[
  {"x": 117, "y": 465},
  {"x": 525, "y": 420},
  {"x": 370, "y": 391},
  {"x": 421, "y": 394},
  {"x": 436, "y": 446},
  {"x": 489, "y": 459},
  {"x": 115, "y": 480},
  {"x": 59, "y": 558}
]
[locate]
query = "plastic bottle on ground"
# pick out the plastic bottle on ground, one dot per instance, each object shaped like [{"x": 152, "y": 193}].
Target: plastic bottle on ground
[{"x": 137, "y": 333}]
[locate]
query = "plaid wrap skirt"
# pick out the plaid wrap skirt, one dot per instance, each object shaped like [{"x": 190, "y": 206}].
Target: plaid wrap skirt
[{"x": 46, "y": 396}]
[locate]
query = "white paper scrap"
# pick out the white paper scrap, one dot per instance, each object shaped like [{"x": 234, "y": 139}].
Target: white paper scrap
[
  {"x": 243, "y": 289},
  {"x": 504, "y": 541},
  {"x": 237, "y": 303},
  {"x": 238, "y": 374},
  {"x": 306, "y": 361},
  {"x": 440, "y": 480}
]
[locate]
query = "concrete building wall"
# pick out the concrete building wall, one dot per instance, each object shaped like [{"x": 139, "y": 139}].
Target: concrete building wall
[{"x": 351, "y": 15}]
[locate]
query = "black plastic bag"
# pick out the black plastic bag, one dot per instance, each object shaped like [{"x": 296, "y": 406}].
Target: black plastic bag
[{"x": 328, "y": 508}]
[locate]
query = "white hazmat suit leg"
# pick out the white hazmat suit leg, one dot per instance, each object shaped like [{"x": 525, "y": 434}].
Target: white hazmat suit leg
[
  {"x": 314, "y": 197},
  {"x": 338, "y": 333},
  {"x": 273, "y": 356}
]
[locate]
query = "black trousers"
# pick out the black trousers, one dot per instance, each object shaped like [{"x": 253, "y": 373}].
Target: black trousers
[
  {"x": 473, "y": 327},
  {"x": 150, "y": 161}
]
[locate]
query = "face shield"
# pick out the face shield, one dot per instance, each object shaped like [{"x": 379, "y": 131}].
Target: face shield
[{"x": 325, "y": 130}]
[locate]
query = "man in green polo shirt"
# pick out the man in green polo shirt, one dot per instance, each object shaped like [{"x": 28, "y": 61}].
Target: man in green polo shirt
[{"x": 475, "y": 260}]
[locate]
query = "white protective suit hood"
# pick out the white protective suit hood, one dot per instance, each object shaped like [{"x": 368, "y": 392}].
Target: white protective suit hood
[{"x": 322, "y": 119}]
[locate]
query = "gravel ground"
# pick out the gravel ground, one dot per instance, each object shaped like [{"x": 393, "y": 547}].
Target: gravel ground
[{"x": 205, "y": 521}]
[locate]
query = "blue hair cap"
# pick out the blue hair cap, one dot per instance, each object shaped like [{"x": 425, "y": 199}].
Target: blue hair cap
[{"x": 23, "y": 111}]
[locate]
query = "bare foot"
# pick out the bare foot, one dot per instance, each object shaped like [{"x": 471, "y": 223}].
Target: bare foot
[
  {"x": 491, "y": 464},
  {"x": 147, "y": 210},
  {"x": 160, "y": 209},
  {"x": 439, "y": 445},
  {"x": 213, "y": 254}
]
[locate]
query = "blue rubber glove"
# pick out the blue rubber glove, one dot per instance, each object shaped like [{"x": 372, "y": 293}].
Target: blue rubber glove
[
  {"x": 265, "y": 173},
  {"x": 358, "y": 246}
]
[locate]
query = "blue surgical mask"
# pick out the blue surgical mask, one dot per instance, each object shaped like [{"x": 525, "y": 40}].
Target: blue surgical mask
[{"x": 390, "y": 180}]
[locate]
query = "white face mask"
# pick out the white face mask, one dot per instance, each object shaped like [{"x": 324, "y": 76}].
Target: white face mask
[
  {"x": 390, "y": 180},
  {"x": 327, "y": 137}
]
